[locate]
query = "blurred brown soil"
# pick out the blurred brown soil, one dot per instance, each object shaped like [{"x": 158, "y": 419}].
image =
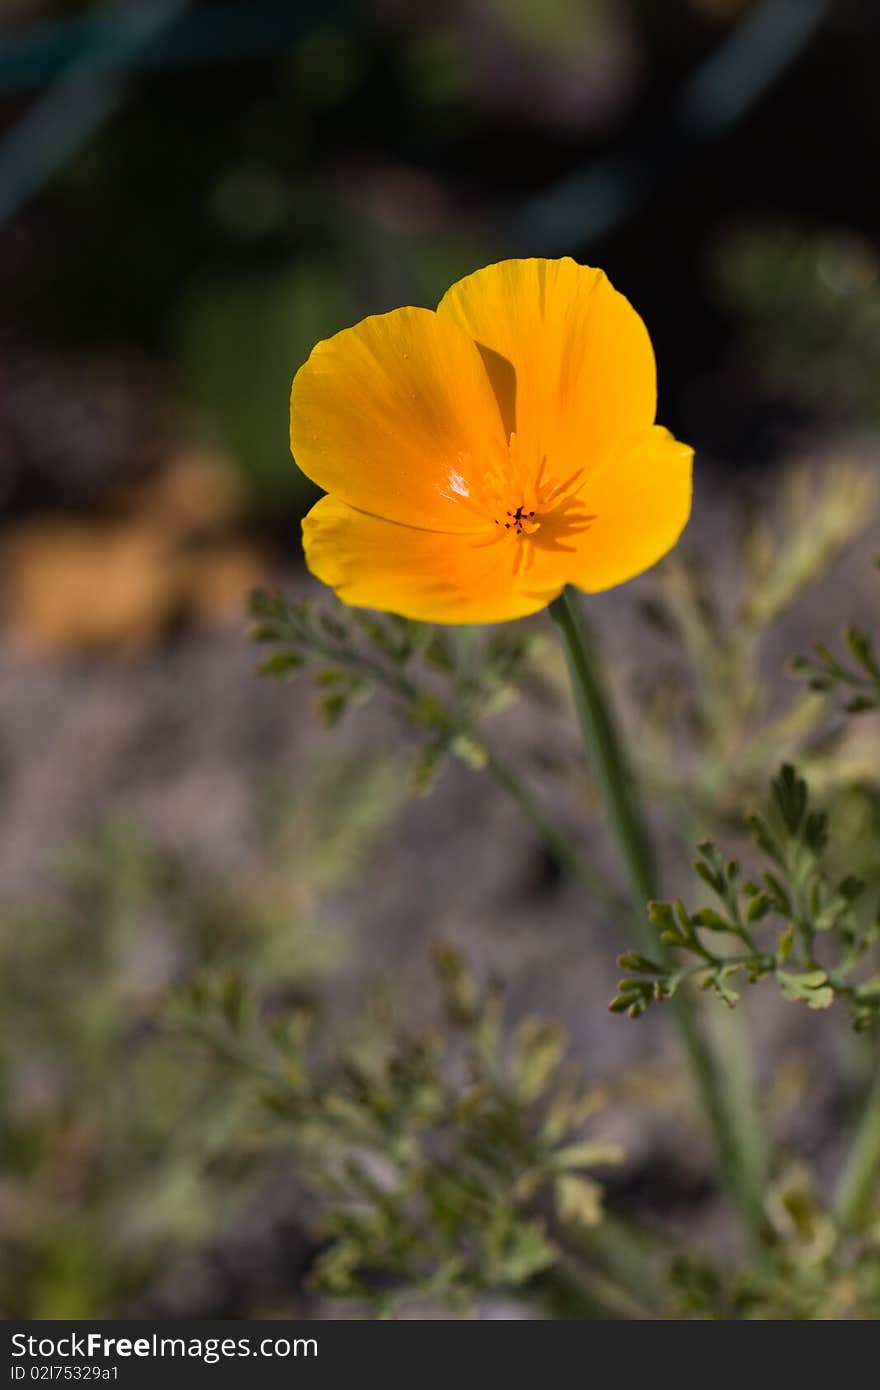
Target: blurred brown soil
[{"x": 161, "y": 552}]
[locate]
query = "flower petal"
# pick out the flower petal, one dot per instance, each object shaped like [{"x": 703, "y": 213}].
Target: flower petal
[
  {"x": 583, "y": 374},
  {"x": 639, "y": 501},
  {"x": 396, "y": 416},
  {"x": 427, "y": 575}
]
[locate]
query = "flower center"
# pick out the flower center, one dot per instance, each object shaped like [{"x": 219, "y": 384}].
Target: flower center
[
  {"x": 521, "y": 521},
  {"x": 516, "y": 498},
  {"x": 518, "y": 494}
]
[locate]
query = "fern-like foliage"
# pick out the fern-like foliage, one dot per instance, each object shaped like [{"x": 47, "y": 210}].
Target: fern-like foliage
[
  {"x": 445, "y": 1163},
  {"x": 856, "y": 676},
  {"x": 798, "y": 922},
  {"x": 443, "y": 681}
]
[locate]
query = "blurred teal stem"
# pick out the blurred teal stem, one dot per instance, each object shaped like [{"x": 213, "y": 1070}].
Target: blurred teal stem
[{"x": 721, "y": 1101}]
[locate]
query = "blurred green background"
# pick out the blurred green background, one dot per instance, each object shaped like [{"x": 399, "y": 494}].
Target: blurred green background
[{"x": 192, "y": 194}]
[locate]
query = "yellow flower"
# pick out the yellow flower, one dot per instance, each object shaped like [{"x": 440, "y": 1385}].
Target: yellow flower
[{"x": 479, "y": 458}]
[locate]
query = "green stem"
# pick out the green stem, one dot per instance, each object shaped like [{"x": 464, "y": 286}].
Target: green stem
[
  {"x": 861, "y": 1174},
  {"x": 733, "y": 1050},
  {"x": 566, "y": 854},
  {"x": 605, "y": 753}
]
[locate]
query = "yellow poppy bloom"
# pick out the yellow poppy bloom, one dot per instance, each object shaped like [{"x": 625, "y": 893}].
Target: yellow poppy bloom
[{"x": 479, "y": 458}]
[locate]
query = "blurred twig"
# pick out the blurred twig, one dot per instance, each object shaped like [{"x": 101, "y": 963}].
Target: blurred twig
[
  {"x": 86, "y": 62},
  {"x": 77, "y": 104},
  {"x": 102, "y": 49},
  {"x": 40, "y": 54},
  {"x": 593, "y": 200}
]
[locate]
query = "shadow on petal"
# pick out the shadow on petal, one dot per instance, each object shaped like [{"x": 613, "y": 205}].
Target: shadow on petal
[{"x": 502, "y": 377}]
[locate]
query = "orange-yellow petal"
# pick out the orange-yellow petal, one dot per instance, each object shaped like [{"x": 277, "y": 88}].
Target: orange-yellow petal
[
  {"x": 428, "y": 575},
  {"x": 639, "y": 500},
  {"x": 569, "y": 356},
  {"x": 396, "y": 416}
]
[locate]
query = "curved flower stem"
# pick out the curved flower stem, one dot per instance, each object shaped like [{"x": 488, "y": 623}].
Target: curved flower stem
[
  {"x": 604, "y": 750},
  {"x": 861, "y": 1173},
  {"x": 564, "y": 851},
  {"x": 562, "y": 848},
  {"x": 732, "y": 1047},
  {"x": 628, "y": 828}
]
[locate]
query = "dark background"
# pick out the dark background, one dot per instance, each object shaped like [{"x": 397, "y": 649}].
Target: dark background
[{"x": 204, "y": 203}]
